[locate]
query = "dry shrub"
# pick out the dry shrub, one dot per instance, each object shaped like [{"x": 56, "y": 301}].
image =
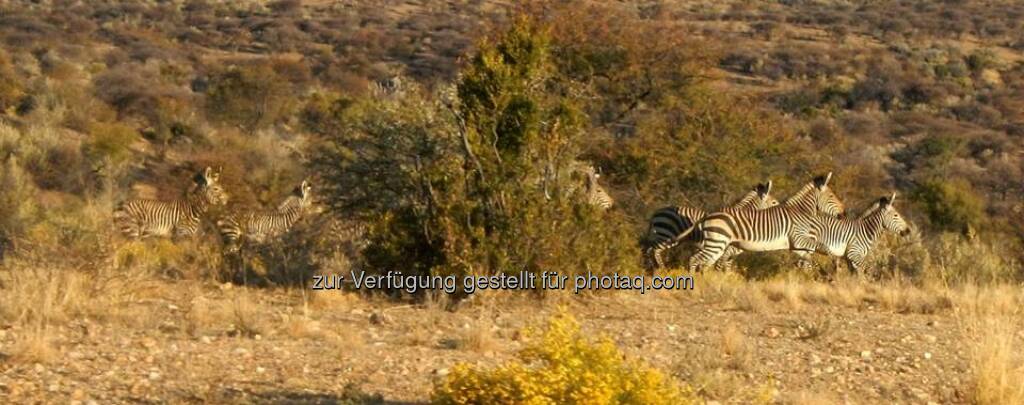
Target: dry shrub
[
  {"x": 997, "y": 363},
  {"x": 786, "y": 290},
  {"x": 478, "y": 336},
  {"x": 750, "y": 298},
  {"x": 562, "y": 366},
  {"x": 35, "y": 345},
  {"x": 45, "y": 293},
  {"x": 735, "y": 347}
]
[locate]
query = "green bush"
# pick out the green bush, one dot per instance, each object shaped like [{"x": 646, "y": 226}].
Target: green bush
[
  {"x": 475, "y": 188},
  {"x": 251, "y": 97},
  {"x": 950, "y": 205}
]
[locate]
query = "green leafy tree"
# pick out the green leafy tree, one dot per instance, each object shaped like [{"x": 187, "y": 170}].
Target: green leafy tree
[{"x": 477, "y": 185}]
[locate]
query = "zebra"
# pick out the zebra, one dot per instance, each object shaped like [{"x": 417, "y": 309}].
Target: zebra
[
  {"x": 596, "y": 195},
  {"x": 668, "y": 222},
  {"x": 140, "y": 218},
  {"x": 790, "y": 225},
  {"x": 852, "y": 239},
  {"x": 260, "y": 227},
  {"x": 593, "y": 193},
  {"x": 390, "y": 86}
]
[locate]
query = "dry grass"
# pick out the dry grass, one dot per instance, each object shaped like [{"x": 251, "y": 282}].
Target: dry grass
[
  {"x": 994, "y": 331},
  {"x": 478, "y": 336},
  {"x": 737, "y": 350},
  {"x": 36, "y": 345}
]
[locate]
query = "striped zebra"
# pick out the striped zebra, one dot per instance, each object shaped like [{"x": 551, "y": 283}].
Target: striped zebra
[
  {"x": 260, "y": 227},
  {"x": 789, "y": 226},
  {"x": 853, "y": 239},
  {"x": 668, "y": 222},
  {"x": 140, "y": 219},
  {"x": 390, "y": 86},
  {"x": 593, "y": 193}
]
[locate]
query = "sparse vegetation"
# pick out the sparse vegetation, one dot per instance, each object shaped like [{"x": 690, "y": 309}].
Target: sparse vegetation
[
  {"x": 562, "y": 366},
  {"x": 469, "y": 170}
]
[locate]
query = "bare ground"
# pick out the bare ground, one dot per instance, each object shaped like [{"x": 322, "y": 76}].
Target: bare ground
[{"x": 734, "y": 341}]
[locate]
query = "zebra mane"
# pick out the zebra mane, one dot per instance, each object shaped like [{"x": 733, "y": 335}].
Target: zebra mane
[
  {"x": 800, "y": 195},
  {"x": 869, "y": 211}
]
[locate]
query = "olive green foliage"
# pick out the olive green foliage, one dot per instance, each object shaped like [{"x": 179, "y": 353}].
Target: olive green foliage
[
  {"x": 110, "y": 142},
  {"x": 475, "y": 186},
  {"x": 949, "y": 204},
  {"x": 10, "y": 87},
  {"x": 708, "y": 148},
  {"x": 251, "y": 97},
  {"x": 17, "y": 202}
]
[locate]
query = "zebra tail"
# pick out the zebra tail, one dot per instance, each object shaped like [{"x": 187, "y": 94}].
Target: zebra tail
[{"x": 682, "y": 235}]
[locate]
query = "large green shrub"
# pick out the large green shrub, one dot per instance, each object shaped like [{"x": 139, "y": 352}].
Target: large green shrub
[
  {"x": 476, "y": 186},
  {"x": 950, "y": 205}
]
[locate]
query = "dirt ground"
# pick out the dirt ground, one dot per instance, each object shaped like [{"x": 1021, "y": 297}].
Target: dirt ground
[{"x": 732, "y": 341}]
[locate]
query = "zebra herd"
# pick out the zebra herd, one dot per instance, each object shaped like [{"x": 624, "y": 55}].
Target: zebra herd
[
  {"x": 811, "y": 220},
  {"x": 143, "y": 218}
]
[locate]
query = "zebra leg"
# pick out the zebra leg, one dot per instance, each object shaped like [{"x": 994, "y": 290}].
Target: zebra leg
[
  {"x": 705, "y": 256},
  {"x": 727, "y": 262}
]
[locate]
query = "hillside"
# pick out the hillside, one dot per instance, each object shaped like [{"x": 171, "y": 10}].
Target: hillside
[{"x": 478, "y": 137}]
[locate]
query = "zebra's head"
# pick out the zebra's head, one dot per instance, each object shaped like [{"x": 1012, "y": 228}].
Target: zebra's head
[
  {"x": 891, "y": 219},
  {"x": 304, "y": 193},
  {"x": 208, "y": 185},
  {"x": 764, "y": 196},
  {"x": 825, "y": 200}
]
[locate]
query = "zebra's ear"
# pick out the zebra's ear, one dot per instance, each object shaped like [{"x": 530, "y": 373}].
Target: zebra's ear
[
  {"x": 821, "y": 181},
  {"x": 884, "y": 202},
  {"x": 202, "y": 178},
  {"x": 892, "y": 198},
  {"x": 768, "y": 186}
]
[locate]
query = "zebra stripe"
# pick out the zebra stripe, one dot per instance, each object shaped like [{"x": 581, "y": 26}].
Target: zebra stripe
[
  {"x": 668, "y": 222},
  {"x": 790, "y": 225},
  {"x": 260, "y": 227},
  {"x": 853, "y": 239},
  {"x": 140, "y": 219},
  {"x": 593, "y": 193}
]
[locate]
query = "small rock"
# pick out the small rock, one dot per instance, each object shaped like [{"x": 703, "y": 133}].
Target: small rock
[
  {"x": 153, "y": 375},
  {"x": 865, "y": 354},
  {"x": 815, "y": 359},
  {"x": 257, "y": 337},
  {"x": 672, "y": 328},
  {"x": 930, "y": 338},
  {"x": 241, "y": 351},
  {"x": 379, "y": 318},
  {"x": 440, "y": 372},
  {"x": 927, "y": 356},
  {"x": 39, "y": 368},
  {"x": 206, "y": 339},
  {"x": 260, "y": 370}
]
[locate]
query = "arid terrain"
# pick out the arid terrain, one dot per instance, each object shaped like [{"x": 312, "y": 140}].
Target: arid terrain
[
  {"x": 262, "y": 143},
  {"x": 785, "y": 341}
]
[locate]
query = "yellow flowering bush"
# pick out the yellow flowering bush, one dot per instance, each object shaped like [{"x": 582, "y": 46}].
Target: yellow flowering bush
[{"x": 562, "y": 367}]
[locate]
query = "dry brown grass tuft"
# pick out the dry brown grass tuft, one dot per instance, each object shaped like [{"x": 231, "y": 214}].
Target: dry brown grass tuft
[
  {"x": 997, "y": 363},
  {"x": 737, "y": 350},
  {"x": 787, "y": 290},
  {"x": 811, "y": 398},
  {"x": 35, "y": 345},
  {"x": 478, "y": 336},
  {"x": 750, "y": 298}
]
